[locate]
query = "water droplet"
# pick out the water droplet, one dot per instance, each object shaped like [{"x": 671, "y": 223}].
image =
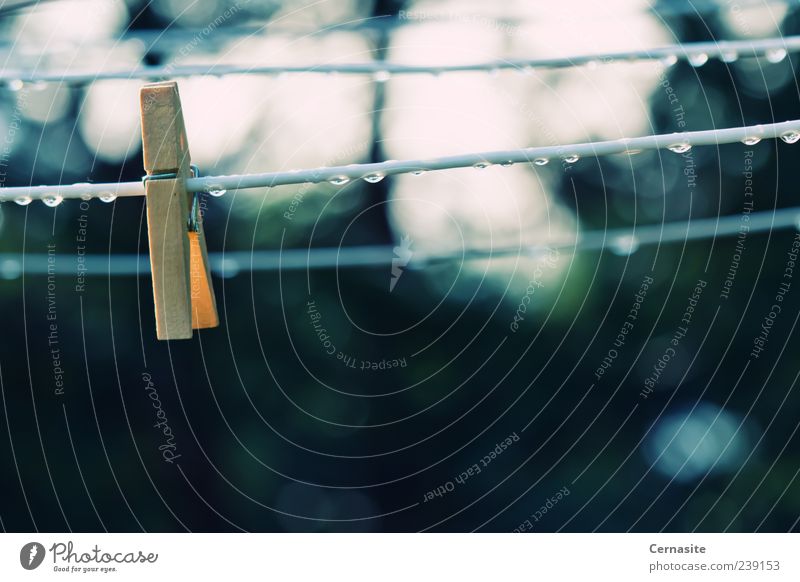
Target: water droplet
[
  {"x": 751, "y": 140},
  {"x": 507, "y": 163},
  {"x": 339, "y": 180},
  {"x": 374, "y": 178},
  {"x": 481, "y": 165},
  {"x": 39, "y": 85},
  {"x": 729, "y": 56},
  {"x": 775, "y": 55},
  {"x": 229, "y": 268},
  {"x": 10, "y": 269},
  {"x": 624, "y": 245},
  {"x": 107, "y": 196},
  {"x": 215, "y": 190},
  {"x": 494, "y": 72},
  {"x": 591, "y": 65},
  {"x": 418, "y": 172},
  {"x": 381, "y": 76},
  {"x": 52, "y": 200},
  {"x": 541, "y": 161},
  {"x": 572, "y": 158},
  {"x": 526, "y": 70},
  {"x": 669, "y": 60},
  {"x": 632, "y": 152},
  {"x": 680, "y": 147},
  {"x": 86, "y": 195},
  {"x": 697, "y": 59},
  {"x": 16, "y": 85},
  {"x": 23, "y": 200},
  {"x": 791, "y": 136}
]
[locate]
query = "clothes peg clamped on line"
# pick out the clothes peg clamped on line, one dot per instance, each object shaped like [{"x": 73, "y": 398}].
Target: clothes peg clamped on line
[{"x": 182, "y": 290}]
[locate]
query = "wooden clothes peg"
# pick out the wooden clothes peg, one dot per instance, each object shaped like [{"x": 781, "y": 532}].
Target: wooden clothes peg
[{"x": 182, "y": 291}]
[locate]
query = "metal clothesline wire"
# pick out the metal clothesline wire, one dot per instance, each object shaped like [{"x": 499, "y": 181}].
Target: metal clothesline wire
[
  {"x": 789, "y": 131},
  {"x": 697, "y": 53},
  {"x": 620, "y": 241}
]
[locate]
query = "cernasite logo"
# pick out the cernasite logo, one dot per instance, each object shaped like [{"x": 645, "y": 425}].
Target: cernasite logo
[{"x": 31, "y": 555}]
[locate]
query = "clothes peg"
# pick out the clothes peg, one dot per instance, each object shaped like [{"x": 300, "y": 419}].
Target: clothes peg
[{"x": 182, "y": 291}]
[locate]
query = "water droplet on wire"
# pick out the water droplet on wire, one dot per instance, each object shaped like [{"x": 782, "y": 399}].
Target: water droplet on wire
[
  {"x": 374, "y": 178},
  {"x": 791, "y": 136},
  {"x": 381, "y": 76},
  {"x": 624, "y": 245},
  {"x": 697, "y": 59},
  {"x": 215, "y": 190},
  {"x": 107, "y": 197},
  {"x": 418, "y": 172},
  {"x": 481, "y": 165},
  {"x": 10, "y": 269},
  {"x": 339, "y": 180},
  {"x": 775, "y": 55},
  {"x": 751, "y": 140},
  {"x": 680, "y": 147},
  {"x": 669, "y": 60},
  {"x": 23, "y": 200},
  {"x": 16, "y": 84},
  {"x": 52, "y": 200},
  {"x": 572, "y": 158},
  {"x": 229, "y": 268},
  {"x": 729, "y": 56},
  {"x": 541, "y": 161},
  {"x": 507, "y": 163}
]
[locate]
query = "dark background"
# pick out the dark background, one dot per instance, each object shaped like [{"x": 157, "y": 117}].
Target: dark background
[{"x": 276, "y": 435}]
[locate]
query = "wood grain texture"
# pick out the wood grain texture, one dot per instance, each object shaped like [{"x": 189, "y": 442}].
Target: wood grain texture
[
  {"x": 169, "y": 258},
  {"x": 164, "y": 143},
  {"x": 178, "y": 258}
]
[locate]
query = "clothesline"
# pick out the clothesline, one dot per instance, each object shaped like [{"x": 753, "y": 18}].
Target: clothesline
[
  {"x": 619, "y": 241},
  {"x": 679, "y": 143},
  {"x": 697, "y": 54}
]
